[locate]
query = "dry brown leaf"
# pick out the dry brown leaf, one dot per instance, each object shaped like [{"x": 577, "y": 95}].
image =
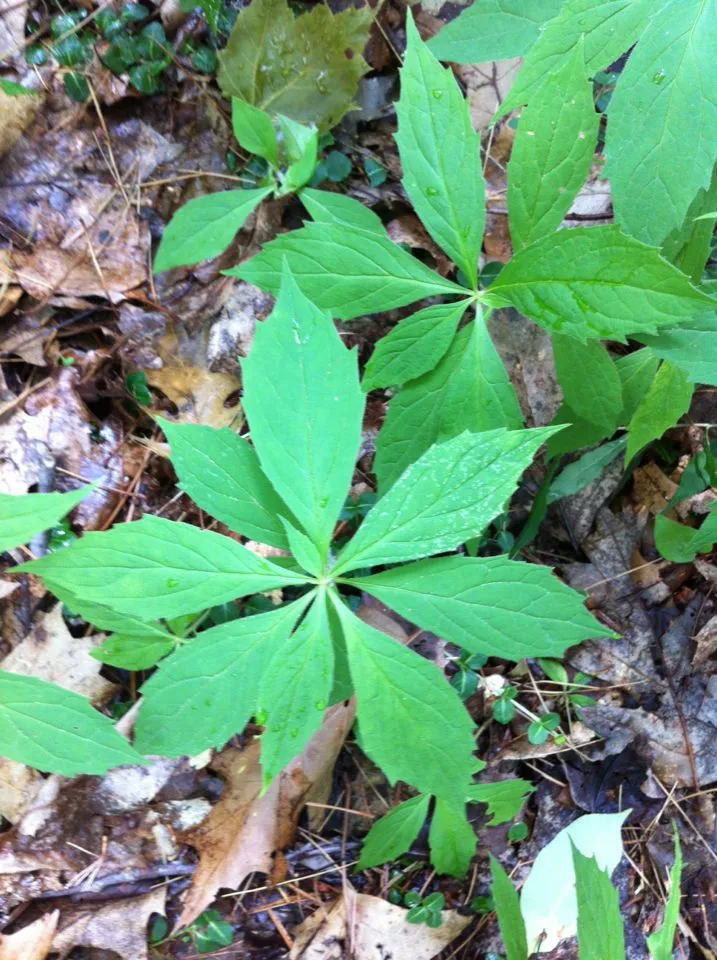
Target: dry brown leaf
[
  {"x": 244, "y": 829},
  {"x": 33, "y": 942},
  {"x": 16, "y": 113},
  {"x": 706, "y": 641},
  {"x": 120, "y": 926},
  {"x": 361, "y": 927},
  {"x": 19, "y": 785},
  {"x": 652, "y": 490},
  {"x": 487, "y": 85},
  {"x": 13, "y": 14},
  {"x": 408, "y": 229},
  {"x": 51, "y": 653}
]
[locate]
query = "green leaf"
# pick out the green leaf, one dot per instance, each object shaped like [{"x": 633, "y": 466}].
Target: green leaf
[
  {"x": 452, "y": 839},
  {"x": 490, "y": 605},
  {"x": 294, "y": 689},
  {"x": 13, "y": 89},
  {"x": 654, "y": 112},
  {"x": 589, "y": 380},
  {"x": 583, "y": 471},
  {"x": 660, "y": 942},
  {"x": 600, "y": 929},
  {"x": 440, "y": 155},
  {"x": 609, "y": 28},
  {"x": 211, "y": 10},
  {"x": 680, "y": 543},
  {"x": 411, "y": 722},
  {"x": 103, "y": 617},
  {"x": 57, "y": 731},
  {"x": 204, "y": 227},
  {"x": 212, "y": 682},
  {"x": 159, "y": 568},
  {"x": 664, "y": 403},
  {"x": 690, "y": 247},
  {"x": 134, "y": 652},
  {"x": 507, "y": 906},
  {"x": 304, "y": 551},
  {"x": 393, "y": 834},
  {"x": 448, "y": 496},
  {"x": 547, "y": 901},
  {"x": 24, "y": 515},
  {"x": 597, "y": 282},
  {"x": 552, "y": 153},
  {"x": 306, "y": 67},
  {"x": 692, "y": 346},
  {"x": 221, "y": 472},
  {"x": 347, "y": 272},
  {"x": 578, "y": 435},
  {"x": 337, "y": 208},
  {"x": 493, "y": 30},
  {"x": 414, "y": 346},
  {"x": 305, "y": 407},
  {"x": 302, "y": 169},
  {"x": 469, "y": 389},
  {"x": 636, "y": 371},
  {"x": 254, "y": 131},
  {"x": 504, "y": 798}
]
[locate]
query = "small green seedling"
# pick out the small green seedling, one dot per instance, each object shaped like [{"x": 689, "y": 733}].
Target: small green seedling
[{"x": 425, "y": 909}]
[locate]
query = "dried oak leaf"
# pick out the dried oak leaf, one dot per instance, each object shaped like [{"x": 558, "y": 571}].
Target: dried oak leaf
[
  {"x": 306, "y": 67},
  {"x": 120, "y": 926},
  {"x": 365, "y": 928},
  {"x": 245, "y": 829},
  {"x": 33, "y": 942}
]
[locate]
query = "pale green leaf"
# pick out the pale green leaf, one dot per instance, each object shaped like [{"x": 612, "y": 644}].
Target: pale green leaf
[
  {"x": 660, "y": 942},
  {"x": 104, "y": 618},
  {"x": 211, "y": 683},
  {"x": 597, "y": 282},
  {"x": 576, "y": 436},
  {"x": 493, "y": 30},
  {"x": 220, "y": 471},
  {"x": 347, "y": 272},
  {"x": 411, "y": 721},
  {"x": 160, "y": 568},
  {"x": 304, "y": 551},
  {"x": 608, "y": 27},
  {"x": 636, "y": 371},
  {"x": 297, "y": 137},
  {"x": 305, "y": 407},
  {"x": 552, "y": 153},
  {"x": 204, "y": 227},
  {"x": 547, "y": 901},
  {"x": 589, "y": 380},
  {"x": 294, "y": 689},
  {"x": 451, "y": 838},
  {"x": 12, "y": 89},
  {"x": 654, "y": 112},
  {"x": 448, "y": 496},
  {"x": 133, "y": 652},
  {"x": 337, "y": 208},
  {"x": 254, "y": 131},
  {"x": 504, "y": 798},
  {"x": 489, "y": 605},
  {"x": 440, "y": 155},
  {"x": 22, "y": 516},
  {"x": 692, "y": 346},
  {"x": 469, "y": 389},
  {"x": 304, "y": 144},
  {"x": 600, "y": 929},
  {"x": 414, "y": 346},
  {"x": 507, "y": 906},
  {"x": 296, "y": 65},
  {"x": 586, "y": 469},
  {"x": 664, "y": 403},
  {"x": 57, "y": 731},
  {"x": 393, "y": 834},
  {"x": 690, "y": 247},
  {"x": 679, "y": 543}
]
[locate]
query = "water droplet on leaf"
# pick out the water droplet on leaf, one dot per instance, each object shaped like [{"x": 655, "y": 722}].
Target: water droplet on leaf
[{"x": 437, "y": 93}]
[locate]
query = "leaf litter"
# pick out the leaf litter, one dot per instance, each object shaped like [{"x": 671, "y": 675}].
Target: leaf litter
[{"x": 76, "y": 288}]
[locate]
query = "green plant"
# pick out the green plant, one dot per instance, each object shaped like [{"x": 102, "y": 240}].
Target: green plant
[
  {"x": 209, "y": 932},
  {"x": 304, "y": 405},
  {"x": 425, "y": 909}
]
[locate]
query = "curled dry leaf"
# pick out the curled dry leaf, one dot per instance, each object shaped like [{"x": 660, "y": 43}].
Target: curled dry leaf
[
  {"x": 245, "y": 829},
  {"x": 33, "y": 942},
  {"x": 364, "y": 928}
]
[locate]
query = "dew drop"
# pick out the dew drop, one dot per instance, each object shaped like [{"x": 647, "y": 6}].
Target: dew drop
[
  {"x": 437, "y": 93},
  {"x": 170, "y": 583},
  {"x": 659, "y": 77},
  {"x": 320, "y": 704},
  {"x": 431, "y": 191},
  {"x": 261, "y": 717},
  {"x": 294, "y": 733}
]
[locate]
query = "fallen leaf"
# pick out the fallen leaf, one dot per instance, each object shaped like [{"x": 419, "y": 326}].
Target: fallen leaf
[
  {"x": 487, "y": 85},
  {"x": 361, "y": 927},
  {"x": 16, "y": 113},
  {"x": 33, "y": 942},
  {"x": 19, "y": 785},
  {"x": 306, "y": 67},
  {"x": 13, "y": 14},
  {"x": 244, "y": 829},
  {"x": 120, "y": 926},
  {"x": 51, "y": 653},
  {"x": 706, "y": 641},
  {"x": 652, "y": 490}
]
